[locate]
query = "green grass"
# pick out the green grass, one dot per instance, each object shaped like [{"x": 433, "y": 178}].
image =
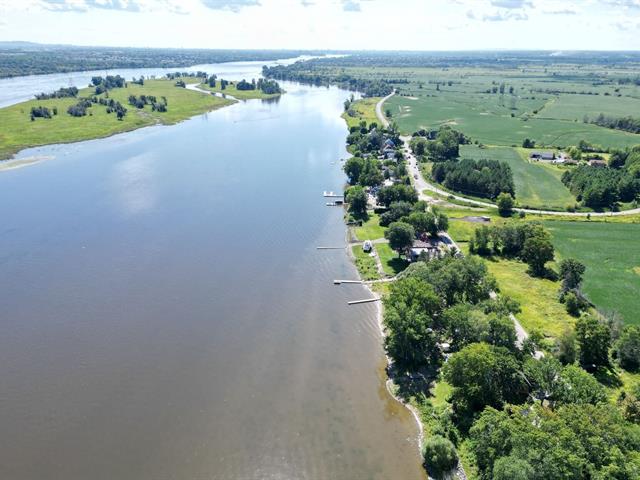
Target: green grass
[
  {"x": 611, "y": 252},
  {"x": 391, "y": 263},
  {"x": 538, "y": 297},
  {"x": 371, "y": 229},
  {"x": 364, "y": 109},
  {"x": 537, "y": 185},
  {"x": 365, "y": 264},
  {"x": 575, "y": 107},
  {"x": 239, "y": 94},
  {"x": 17, "y": 131}
]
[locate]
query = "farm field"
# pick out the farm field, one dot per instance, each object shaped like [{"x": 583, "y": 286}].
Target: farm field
[
  {"x": 19, "y": 131},
  {"x": 481, "y": 118},
  {"x": 611, "y": 253},
  {"x": 537, "y": 185},
  {"x": 575, "y": 107}
]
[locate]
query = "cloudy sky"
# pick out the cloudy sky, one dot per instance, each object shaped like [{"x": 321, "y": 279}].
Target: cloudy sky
[{"x": 328, "y": 24}]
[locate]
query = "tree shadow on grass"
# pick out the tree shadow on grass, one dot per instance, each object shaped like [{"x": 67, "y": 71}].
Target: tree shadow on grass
[
  {"x": 397, "y": 264},
  {"x": 413, "y": 383},
  {"x": 608, "y": 377}
]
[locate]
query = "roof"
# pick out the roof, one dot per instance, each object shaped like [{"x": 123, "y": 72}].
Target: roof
[
  {"x": 424, "y": 244},
  {"x": 544, "y": 155}
]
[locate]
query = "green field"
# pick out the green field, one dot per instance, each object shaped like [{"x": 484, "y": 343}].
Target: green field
[
  {"x": 611, "y": 252},
  {"x": 371, "y": 229},
  {"x": 239, "y": 94},
  {"x": 18, "y": 131},
  {"x": 364, "y": 109},
  {"x": 482, "y": 119},
  {"x": 537, "y": 185},
  {"x": 575, "y": 107},
  {"x": 365, "y": 264}
]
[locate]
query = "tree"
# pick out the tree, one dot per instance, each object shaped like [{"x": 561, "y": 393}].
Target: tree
[
  {"x": 423, "y": 222},
  {"x": 501, "y": 332},
  {"x": 572, "y": 304},
  {"x": 571, "y": 272},
  {"x": 409, "y": 310},
  {"x": 594, "y": 341},
  {"x": 580, "y": 387},
  {"x": 512, "y": 468},
  {"x": 396, "y": 211},
  {"x": 505, "y": 204},
  {"x": 627, "y": 348},
  {"x": 357, "y": 200},
  {"x": 439, "y": 455},
  {"x": 566, "y": 347},
  {"x": 527, "y": 143},
  {"x": 401, "y": 236},
  {"x": 483, "y": 375},
  {"x": 537, "y": 251},
  {"x": 352, "y": 168},
  {"x": 397, "y": 193}
]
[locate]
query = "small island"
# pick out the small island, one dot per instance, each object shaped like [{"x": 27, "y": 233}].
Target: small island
[
  {"x": 111, "y": 105},
  {"x": 243, "y": 90}
]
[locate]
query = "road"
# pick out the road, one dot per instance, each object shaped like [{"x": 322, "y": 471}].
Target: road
[{"x": 421, "y": 184}]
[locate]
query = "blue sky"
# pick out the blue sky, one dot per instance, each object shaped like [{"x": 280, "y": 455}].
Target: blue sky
[{"x": 328, "y": 24}]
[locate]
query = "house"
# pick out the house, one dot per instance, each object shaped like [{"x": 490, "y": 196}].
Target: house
[
  {"x": 389, "y": 143},
  {"x": 595, "y": 162},
  {"x": 542, "y": 156},
  {"x": 429, "y": 247},
  {"x": 367, "y": 246}
]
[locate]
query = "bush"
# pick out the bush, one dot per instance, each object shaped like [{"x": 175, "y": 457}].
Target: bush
[
  {"x": 505, "y": 204},
  {"x": 572, "y": 304},
  {"x": 627, "y": 348},
  {"x": 439, "y": 455}
]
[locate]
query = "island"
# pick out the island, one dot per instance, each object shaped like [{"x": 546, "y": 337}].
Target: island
[{"x": 112, "y": 105}]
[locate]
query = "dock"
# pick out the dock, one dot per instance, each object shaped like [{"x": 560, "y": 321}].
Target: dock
[
  {"x": 339, "y": 282},
  {"x": 331, "y": 194},
  {"x": 330, "y": 248},
  {"x": 366, "y": 300}
]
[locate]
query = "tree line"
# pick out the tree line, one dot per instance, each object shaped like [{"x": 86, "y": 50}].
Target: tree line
[
  {"x": 484, "y": 178},
  {"x": 626, "y": 124}
]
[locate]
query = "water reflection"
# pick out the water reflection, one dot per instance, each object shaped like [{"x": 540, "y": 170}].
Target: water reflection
[{"x": 133, "y": 183}]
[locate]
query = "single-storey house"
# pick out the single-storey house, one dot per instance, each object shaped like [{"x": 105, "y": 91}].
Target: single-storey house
[
  {"x": 429, "y": 247},
  {"x": 597, "y": 163},
  {"x": 542, "y": 156}
]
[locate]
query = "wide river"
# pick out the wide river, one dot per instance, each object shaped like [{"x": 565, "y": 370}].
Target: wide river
[{"x": 165, "y": 313}]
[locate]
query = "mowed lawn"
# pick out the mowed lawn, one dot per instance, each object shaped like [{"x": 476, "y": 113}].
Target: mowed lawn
[
  {"x": 18, "y": 131},
  {"x": 483, "y": 119},
  {"x": 537, "y": 185},
  {"x": 611, "y": 252}
]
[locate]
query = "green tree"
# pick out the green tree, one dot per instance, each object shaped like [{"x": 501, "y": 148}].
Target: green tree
[
  {"x": 439, "y": 455},
  {"x": 572, "y": 304},
  {"x": 423, "y": 222},
  {"x": 566, "y": 347},
  {"x": 580, "y": 387},
  {"x": 512, "y": 468},
  {"x": 357, "y": 200},
  {"x": 401, "y": 236},
  {"x": 409, "y": 310},
  {"x": 627, "y": 348},
  {"x": 505, "y": 204},
  {"x": 594, "y": 341},
  {"x": 571, "y": 272},
  {"x": 353, "y": 168},
  {"x": 536, "y": 252},
  {"x": 483, "y": 375}
]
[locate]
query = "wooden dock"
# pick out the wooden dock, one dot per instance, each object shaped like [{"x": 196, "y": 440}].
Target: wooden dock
[
  {"x": 339, "y": 282},
  {"x": 330, "y": 248}
]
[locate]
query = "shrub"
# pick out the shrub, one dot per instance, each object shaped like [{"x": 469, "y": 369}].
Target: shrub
[{"x": 439, "y": 455}]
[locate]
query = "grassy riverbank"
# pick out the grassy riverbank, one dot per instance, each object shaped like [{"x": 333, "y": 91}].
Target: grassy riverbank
[
  {"x": 239, "y": 94},
  {"x": 19, "y": 132}
]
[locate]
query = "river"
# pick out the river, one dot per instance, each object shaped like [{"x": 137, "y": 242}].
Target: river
[{"x": 166, "y": 314}]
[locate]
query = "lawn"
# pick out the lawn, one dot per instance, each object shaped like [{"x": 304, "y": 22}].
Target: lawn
[
  {"x": 371, "y": 229},
  {"x": 391, "y": 263},
  {"x": 611, "y": 252},
  {"x": 365, "y": 264},
  {"x": 537, "y": 185},
  {"x": 18, "y": 131},
  {"x": 239, "y": 94},
  {"x": 364, "y": 109},
  {"x": 538, "y": 297}
]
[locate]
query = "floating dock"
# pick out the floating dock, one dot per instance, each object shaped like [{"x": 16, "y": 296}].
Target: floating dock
[
  {"x": 331, "y": 194},
  {"x": 339, "y": 282}
]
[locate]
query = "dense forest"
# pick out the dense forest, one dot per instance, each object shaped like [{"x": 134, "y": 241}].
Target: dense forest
[
  {"x": 35, "y": 59},
  {"x": 599, "y": 187},
  {"x": 484, "y": 178}
]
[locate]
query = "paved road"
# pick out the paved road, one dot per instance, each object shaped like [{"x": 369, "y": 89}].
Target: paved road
[{"x": 422, "y": 185}]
